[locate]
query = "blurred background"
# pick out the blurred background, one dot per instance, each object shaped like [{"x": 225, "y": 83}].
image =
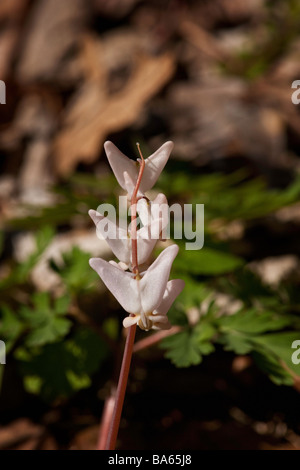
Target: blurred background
[{"x": 215, "y": 77}]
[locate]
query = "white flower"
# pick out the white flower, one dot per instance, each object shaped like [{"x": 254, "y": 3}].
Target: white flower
[
  {"x": 158, "y": 320},
  {"x": 149, "y": 211},
  {"x": 126, "y": 170},
  {"x": 149, "y": 297},
  {"x": 119, "y": 239}
]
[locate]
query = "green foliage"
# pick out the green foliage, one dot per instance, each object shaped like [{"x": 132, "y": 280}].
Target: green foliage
[
  {"x": 20, "y": 272},
  {"x": 229, "y": 197},
  {"x": 46, "y": 322},
  {"x": 279, "y": 345},
  {"x": 56, "y": 358},
  {"x": 216, "y": 269},
  {"x": 74, "y": 270},
  {"x": 57, "y": 355},
  {"x": 270, "y": 365},
  {"x": 187, "y": 347},
  {"x": 58, "y": 370},
  {"x": 208, "y": 261},
  {"x": 253, "y": 322},
  {"x": 247, "y": 331},
  {"x": 74, "y": 199},
  {"x": 194, "y": 292},
  {"x": 11, "y": 326}
]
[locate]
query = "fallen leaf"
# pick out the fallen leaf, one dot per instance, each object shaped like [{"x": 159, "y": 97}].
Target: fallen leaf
[{"x": 92, "y": 116}]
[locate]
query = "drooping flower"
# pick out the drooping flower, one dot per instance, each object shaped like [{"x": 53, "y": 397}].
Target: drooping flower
[
  {"x": 119, "y": 239},
  {"x": 158, "y": 320},
  {"x": 126, "y": 170},
  {"x": 148, "y": 297}
]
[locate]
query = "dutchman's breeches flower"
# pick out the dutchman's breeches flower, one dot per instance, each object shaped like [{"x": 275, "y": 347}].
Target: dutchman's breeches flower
[
  {"x": 148, "y": 298},
  {"x": 145, "y": 296},
  {"x": 119, "y": 239},
  {"x": 126, "y": 170}
]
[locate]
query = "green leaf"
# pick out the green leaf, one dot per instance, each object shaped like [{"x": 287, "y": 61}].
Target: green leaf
[
  {"x": 206, "y": 331},
  {"x": 11, "y": 326},
  {"x": 237, "y": 342},
  {"x": 280, "y": 344},
  {"x": 182, "y": 349},
  {"x": 208, "y": 261},
  {"x": 60, "y": 369},
  {"x": 186, "y": 348},
  {"x": 75, "y": 270},
  {"x": 270, "y": 366},
  {"x": 253, "y": 322},
  {"x": 45, "y": 323},
  {"x": 61, "y": 305},
  {"x": 228, "y": 197},
  {"x": 194, "y": 292},
  {"x": 241, "y": 332}
]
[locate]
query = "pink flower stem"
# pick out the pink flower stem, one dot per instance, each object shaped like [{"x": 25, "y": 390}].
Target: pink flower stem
[
  {"x": 123, "y": 378},
  {"x": 120, "y": 395},
  {"x": 135, "y": 264},
  {"x": 106, "y": 418}
]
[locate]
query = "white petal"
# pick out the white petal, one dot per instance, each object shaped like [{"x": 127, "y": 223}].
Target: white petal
[
  {"x": 150, "y": 231},
  {"x": 160, "y": 199},
  {"x": 119, "y": 265},
  {"x": 120, "y": 164},
  {"x": 129, "y": 321},
  {"x": 154, "y": 166},
  {"x": 160, "y": 209},
  {"x": 153, "y": 283},
  {"x": 123, "y": 266},
  {"x": 152, "y": 210},
  {"x": 146, "y": 239},
  {"x": 115, "y": 264},
  {"x": 158, "y": 318},
  {"x": 172, "y": 291},
  {"x": 144, "y": 250},
  {"x": 115, "y": 236},
  {"x": 143, "y": 208},
  {"x": 95, "y": 216},
  {"x": 129, "y": 185},
  {"x": 121, "y": 284}
]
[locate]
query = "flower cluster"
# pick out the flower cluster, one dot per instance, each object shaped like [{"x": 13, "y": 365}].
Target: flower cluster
[{"x": 147, "y": 295}]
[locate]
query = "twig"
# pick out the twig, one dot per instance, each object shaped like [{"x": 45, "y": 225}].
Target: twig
[{"x": 155, "y": 338}]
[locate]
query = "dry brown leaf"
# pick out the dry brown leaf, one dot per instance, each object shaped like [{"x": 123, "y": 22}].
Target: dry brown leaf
[
  {"x": 11, "y": 15},
  {"x": 202, "y": 40},
  {"x": 51, "y": 36},
  {"x": 86, "y": 439},
  {"x": 93, "y": 116},
  {"x": 19, "y": 432},
  {"x": 12, "y": 9},
  {"x": 209, "y": 14},
  {"x": 113, "y": 8}
]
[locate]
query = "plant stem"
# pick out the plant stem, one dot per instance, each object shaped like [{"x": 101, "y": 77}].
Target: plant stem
[
  {"x": 135, "y": 264},
  {"x": 120, "y": 395},
  {"x": 127, "y": 355},
  {"x": 106, "y": 419},
  {"x": 155, "y": 338}
]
